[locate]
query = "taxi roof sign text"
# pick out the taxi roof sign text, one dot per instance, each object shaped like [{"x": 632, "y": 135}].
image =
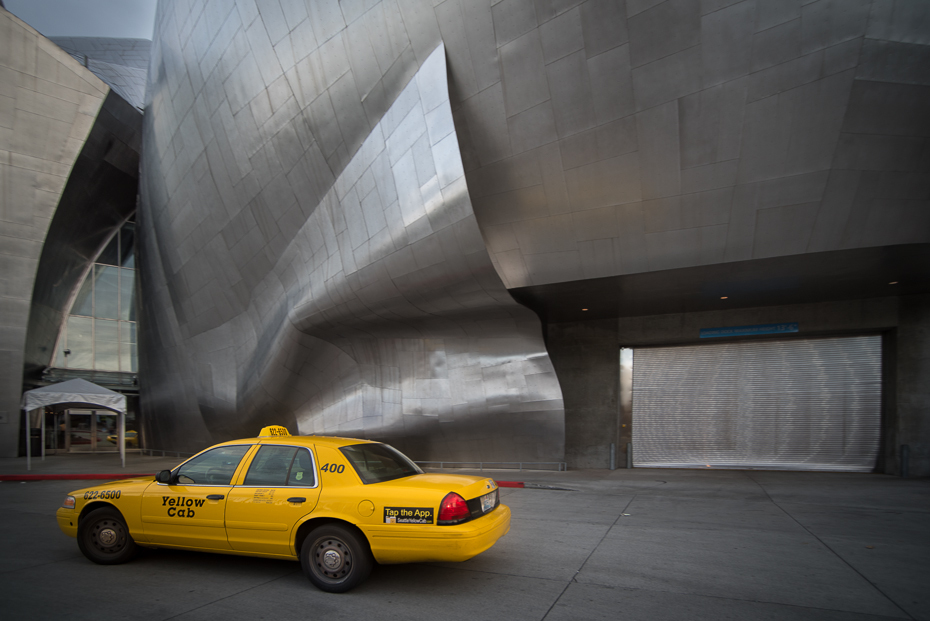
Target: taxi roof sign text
[{"x": 273, "y": 430}]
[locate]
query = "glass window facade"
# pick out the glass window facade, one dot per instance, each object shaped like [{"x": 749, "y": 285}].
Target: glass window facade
[{"x": 100, "y": 333}]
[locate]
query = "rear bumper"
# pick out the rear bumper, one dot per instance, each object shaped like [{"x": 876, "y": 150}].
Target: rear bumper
[{"x": 414, "y": 543}]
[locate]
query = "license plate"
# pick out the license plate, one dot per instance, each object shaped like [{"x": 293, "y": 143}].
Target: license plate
[{"x": 487, "y": 502}]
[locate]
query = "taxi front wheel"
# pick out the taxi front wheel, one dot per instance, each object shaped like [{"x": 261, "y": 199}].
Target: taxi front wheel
[
  {"x": 335, "y": 559},
  {"x": 104, "y": 538}
]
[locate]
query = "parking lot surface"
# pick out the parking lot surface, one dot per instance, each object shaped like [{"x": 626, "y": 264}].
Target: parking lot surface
[{"x": 627, "y": 544}]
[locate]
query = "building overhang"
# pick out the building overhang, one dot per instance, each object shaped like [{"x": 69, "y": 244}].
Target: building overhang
[{"x": 796, "y": 279}]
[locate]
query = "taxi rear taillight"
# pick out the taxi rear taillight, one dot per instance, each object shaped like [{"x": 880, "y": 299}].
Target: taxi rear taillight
[
  {"x": 453, "y": 509},
  {"x": 68, "y": 503}
]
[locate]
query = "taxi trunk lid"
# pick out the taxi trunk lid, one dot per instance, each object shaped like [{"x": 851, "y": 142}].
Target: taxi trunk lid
[{"x": 468, "y": 487}]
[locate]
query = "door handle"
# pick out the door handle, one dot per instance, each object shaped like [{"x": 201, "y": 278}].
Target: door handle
[
  {"x": 297, "y": 499},
  {"x": 215, "y": 497}
]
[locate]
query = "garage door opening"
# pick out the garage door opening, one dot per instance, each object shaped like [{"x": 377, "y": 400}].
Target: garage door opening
[{"x": 801, "y": 404}]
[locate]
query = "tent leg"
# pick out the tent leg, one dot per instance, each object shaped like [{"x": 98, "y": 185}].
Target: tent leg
[
  {"x": 28, "y": 441},
  {"x": 42, "y": 426},
  {"x": 121, "y": 421}
]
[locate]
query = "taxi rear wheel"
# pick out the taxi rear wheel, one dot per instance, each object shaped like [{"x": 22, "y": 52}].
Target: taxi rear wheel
[
  {"x": 104, "y": 538},
  {"x": 335, "y": 559}
]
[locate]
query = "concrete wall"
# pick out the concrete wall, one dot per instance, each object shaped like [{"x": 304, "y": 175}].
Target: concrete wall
[
  {"x": 586, "y": 358},
  {"x": 912, "y": 424},
  {"x": 48, "y": 104},
  {"x": 98, "y": 198}
]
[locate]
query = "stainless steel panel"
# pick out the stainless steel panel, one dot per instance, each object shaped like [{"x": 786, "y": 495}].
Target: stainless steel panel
[
  {"x": 663, "y": 30},
  {"x": 562, "y": 35},
  {"x": 376, "y": 312},
  {"x": 512, "y": 18},
  {"x": 604, "y": 25},
  {"x": 812, "y": 404},
  {"x": 121, "y": 63},
  {"x": 570, "y": 88},
  {"x": 524, "y": 73},
  {"x": 725, "y": 34},
  {"x": 533, "y": 128},
  {"x": 346, "y": 68}
]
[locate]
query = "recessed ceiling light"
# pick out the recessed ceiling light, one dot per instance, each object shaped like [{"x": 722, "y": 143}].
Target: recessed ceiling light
[
  {"x": 723, "y": 297},
  {"x": 584, "y": 309},
  {"x": 893, "y": 282}
]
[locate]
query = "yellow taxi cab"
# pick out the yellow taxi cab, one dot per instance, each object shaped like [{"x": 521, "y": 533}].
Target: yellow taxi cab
[
  {"x": 131, "y": 437},
  {"x": 336, "y": 504}
]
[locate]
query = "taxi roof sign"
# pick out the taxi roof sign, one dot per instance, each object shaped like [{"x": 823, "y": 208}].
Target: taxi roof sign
[{"x": 273, "y": 430}]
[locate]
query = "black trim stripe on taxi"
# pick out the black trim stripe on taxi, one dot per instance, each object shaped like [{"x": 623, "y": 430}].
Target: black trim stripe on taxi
[{"x": 474, "y": 506}]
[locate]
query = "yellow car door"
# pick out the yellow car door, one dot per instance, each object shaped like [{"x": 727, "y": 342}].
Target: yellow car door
[
  {"x": 189, "y": 511},
  {"x": 279, "y": 488}
]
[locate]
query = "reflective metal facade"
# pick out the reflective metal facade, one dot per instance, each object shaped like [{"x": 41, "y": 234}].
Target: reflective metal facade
[
  {"x": 597, "y": 139},
  {"x": 616, "y": 138},
  {"x": 360, "y": 303},
  {"x": 121, "y": 63}
]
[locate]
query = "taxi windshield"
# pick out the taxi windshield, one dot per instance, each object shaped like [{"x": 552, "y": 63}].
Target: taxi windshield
[{"x": 376, "y": 463}]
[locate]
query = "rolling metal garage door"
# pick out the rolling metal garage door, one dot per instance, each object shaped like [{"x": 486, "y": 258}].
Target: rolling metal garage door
[{"x": 811, "y": 404}]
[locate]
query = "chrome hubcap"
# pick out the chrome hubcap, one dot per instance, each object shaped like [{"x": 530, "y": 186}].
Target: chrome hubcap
[
  {"x": 332, "y": 559},
  {"x": 107, "y": 536}
]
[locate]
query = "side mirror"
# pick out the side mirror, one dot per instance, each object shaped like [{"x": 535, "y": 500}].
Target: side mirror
[{"x": 164, "y": 476}]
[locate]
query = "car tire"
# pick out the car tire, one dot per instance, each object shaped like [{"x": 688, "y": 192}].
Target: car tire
[
  {"x": 104, "y": 538},
  {"x": 335, "y": 558}
]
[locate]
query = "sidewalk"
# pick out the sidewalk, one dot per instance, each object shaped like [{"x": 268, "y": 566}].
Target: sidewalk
[{"x": 72, "y": 465}]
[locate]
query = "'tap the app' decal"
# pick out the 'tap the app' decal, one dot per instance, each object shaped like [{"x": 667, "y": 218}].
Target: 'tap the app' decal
[{"x": 408, "y": 515}]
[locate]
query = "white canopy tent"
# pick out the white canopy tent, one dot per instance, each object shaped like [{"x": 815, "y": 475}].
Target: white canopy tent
[{"x": 78, "y": 392}]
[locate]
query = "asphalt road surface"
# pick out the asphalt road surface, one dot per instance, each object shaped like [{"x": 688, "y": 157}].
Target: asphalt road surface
[{"x": 640, "y": 544}]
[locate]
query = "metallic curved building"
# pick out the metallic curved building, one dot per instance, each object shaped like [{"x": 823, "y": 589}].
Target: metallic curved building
[
  {"x": 342, "y": 199},
  {"x": 453, "y": 225},
  {"x": 359, "y": 301},
  {"x": 121, "y": 63}
]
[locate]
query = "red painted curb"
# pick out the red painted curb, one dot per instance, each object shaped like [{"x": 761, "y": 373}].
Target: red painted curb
[
  {"x": 510, "y": 483},
  {"x": 116, "y": 476}
]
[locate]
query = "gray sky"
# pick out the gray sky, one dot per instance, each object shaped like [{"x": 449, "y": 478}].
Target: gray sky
[{"x": 87, "y": 18}]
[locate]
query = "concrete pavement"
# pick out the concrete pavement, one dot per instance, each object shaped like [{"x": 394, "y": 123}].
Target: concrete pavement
[
  {"x": 640, "y": 544},
  {"x": 97, "y": 463}
]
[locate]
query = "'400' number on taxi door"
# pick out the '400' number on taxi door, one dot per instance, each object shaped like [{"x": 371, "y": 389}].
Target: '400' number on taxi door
[{"x": 334, "y": 468}]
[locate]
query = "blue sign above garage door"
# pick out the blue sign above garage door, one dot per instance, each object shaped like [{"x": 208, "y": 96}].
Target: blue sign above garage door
[{"x": 766, "y": 328}]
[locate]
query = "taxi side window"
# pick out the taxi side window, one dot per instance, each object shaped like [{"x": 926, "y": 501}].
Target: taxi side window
[
  {"x": 302, "y": 472},
  {"x": 376, "y": 463},
  {"x": 215, "y": 467},
  {"x": 270, "y": 466}
]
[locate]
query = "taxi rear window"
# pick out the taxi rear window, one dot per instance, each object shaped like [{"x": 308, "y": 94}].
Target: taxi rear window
[
  {"x": 376, "y": 463},
  {"x": 278, "y": 466}
]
